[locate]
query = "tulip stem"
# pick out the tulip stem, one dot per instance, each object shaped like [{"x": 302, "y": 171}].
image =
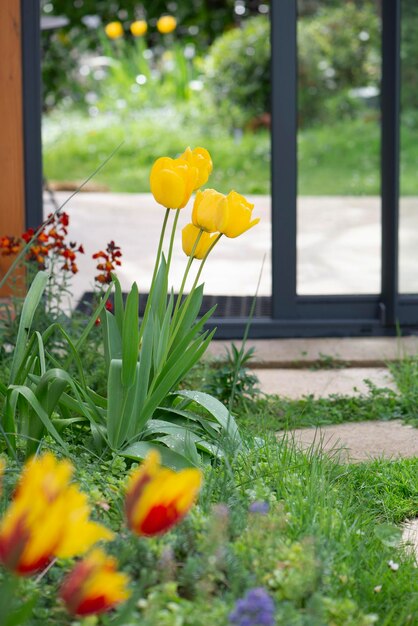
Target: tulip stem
[
  {"x": 186, "y": 273},
  {"x": 173, "y": 232},
  {"x": 213, "y": 244},
  {"x": 177, "y": 325},
  {"x": 154, "y": 274}
]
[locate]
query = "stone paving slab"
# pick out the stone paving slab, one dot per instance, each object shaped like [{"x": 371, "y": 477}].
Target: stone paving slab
[
  {"x": 296, "y": 383},
  {"x": 349, "y": 351},
  {"x": 361, "y": 441},
  {"x": 410, "y": 536}
]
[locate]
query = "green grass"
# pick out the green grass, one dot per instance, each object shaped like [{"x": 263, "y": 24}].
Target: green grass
[{"x": 342, "y": 158}]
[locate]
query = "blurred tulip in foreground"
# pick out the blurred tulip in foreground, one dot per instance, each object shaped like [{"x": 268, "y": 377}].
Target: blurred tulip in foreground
[
  {"x": 157, "y": 498},
  {"x": 48, "y": 517},
  {"x": 94, "y": 585}
]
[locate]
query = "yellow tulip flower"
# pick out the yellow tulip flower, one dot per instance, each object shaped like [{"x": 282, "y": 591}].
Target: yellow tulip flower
[
  {"x": 202, "y": 161},
  {"x": 94, "y": 585},
  {"x": 114, "y": 30},
  {"x": 157, "y": 498},
  {"x": 236, "y": 219},
  {"x": 208, "y": 209},
  {"x": 166, "y": 24},
  {"x": 172, "y": 182},
  {"x": 48, "y": 517},
  {"x": 229, "y": 215},
  {"x": 189, "y": 235},
  {"x": 139, "y": 28}
]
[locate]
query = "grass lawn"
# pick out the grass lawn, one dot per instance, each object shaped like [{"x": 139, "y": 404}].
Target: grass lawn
[{"x": 339, "y": 159}]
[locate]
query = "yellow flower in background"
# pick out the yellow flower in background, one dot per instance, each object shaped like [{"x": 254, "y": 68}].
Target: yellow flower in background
[
  {"x": 208, "y": 208},
  {"x": 166, "y": 24},
  {"x": 114, "y": 30},
  {"x": 202, "y": 161},
  {"x": 172, "y": 182},
  {"x": 236, "y": 219},
  {"x": 157, "y": 498},
  {"x": 189, "y": 235},
  {"x": 139, "y": 28},
  {"x": 48, "y": 517},
  {"x": 94, "y": 585}
]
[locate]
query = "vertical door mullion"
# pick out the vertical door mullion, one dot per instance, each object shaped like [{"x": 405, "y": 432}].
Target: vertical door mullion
[
  {"x": 32, "y": 110},
  {"x": 390, "y": 105},
  {"x": 284, "y": 156}
]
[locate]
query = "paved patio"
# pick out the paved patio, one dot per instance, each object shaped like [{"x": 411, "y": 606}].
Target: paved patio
[{"x": 338, "y": 244}]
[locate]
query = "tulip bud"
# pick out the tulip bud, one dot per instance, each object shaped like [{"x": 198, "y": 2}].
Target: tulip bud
[
  {"x": 202, "y": 161},
  {"x": 208, "y": 209},
  {"x": 236, "y": 219},
  {"x": 189, "y": 236},
  {"x": 172, "y": 182}
]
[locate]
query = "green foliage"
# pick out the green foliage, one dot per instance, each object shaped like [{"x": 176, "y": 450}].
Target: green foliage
[
  {"x": 238, "y": 72},
  {"x": 232, "y": 376},
  {"x": 338, "y": 50},
  {"x": 320, "y": 552}
]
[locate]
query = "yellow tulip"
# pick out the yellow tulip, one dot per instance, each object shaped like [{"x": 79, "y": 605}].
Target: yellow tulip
[
  {"x": 48, "y": 517},
  {"x": 189, "y": 235},
  {"x": 172, "y": 182},
  {"x": 157, "y": 498},
  {"x": 208, "y": 209},
  {"x": 202, "y": 161},
  {"x": 139, "y": 28},
  {"x": 166, "y": 24},
  {"x": 236, "y": 219},
  {"x": 229, "y": 215},
  {"x": 114, "y": 30},
  {"x": 94, "y": 585}
]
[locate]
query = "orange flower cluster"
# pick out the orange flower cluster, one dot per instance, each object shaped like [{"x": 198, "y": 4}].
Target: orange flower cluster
[
  {"x": 108, "y": 261},
  {"x": 9, "y": 245},
  {"x": 52, "y": 240}
]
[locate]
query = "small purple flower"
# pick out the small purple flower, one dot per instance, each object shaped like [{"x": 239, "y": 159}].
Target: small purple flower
[
  {"x": 259, "y": 506},
  {"x": 256, "y": 608}
]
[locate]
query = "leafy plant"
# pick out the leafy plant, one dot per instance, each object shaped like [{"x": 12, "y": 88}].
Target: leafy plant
[{"x": 238, "y": 72}]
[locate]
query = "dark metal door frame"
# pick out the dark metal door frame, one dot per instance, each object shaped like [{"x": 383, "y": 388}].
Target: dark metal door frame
[{"x": 292, "y": 315}]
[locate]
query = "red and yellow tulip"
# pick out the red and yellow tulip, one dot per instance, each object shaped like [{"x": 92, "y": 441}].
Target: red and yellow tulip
[
  {"x": 157, "y": 498},
  {"x": 48, "y": 517},
  {"x": 94, "y": 585}
]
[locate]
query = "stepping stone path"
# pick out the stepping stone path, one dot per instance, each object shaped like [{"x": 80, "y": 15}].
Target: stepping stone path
[
  {"x": 294, "y": 368},
  {"x": 356, "y": 442}
]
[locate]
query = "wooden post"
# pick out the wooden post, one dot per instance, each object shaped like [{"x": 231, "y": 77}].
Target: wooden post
[{"x": 12, "y": 171}]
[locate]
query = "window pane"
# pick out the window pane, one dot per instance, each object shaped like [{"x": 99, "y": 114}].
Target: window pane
[{"x": 338, "y": 221}]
